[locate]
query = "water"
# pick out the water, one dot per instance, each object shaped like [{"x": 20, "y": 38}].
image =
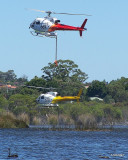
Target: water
[{"x": 39, "y": 144}]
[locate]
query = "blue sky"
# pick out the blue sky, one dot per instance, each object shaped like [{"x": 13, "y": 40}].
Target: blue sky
[{"x": 102, "y": 52}]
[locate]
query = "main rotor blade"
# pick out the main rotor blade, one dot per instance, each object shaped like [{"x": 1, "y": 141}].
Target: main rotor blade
[
  {"x": 72, "y": 14},
  {"x": 50, "y": 12},
  {"x": 37, "y": 10},
  {"x": 48, "y": 88}
]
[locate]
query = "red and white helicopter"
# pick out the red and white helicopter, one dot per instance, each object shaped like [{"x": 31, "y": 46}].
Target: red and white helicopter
[{"x": 47, "y": 26}]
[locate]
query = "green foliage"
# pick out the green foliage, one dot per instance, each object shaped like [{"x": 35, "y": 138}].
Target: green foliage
[
  {"x": 21, "y": 100},
  {"x": 20, "y": 109},
  {"x": 7, "y": 121},
  {"x": 89, "y": 114},
  {"x": 8, "y": 76},
  {"x": 66, "y": 70},
  {"x": 11, "y": 78},
  {"x": 108, "y": 99},
  {"x": 118, "y": 89},
  {"x": 3, "y": 102},
  {"x": 86, "y": 121},
  {"x": 118, "y": 114},
  {"x": 67, "y": 77},
  {"x": 28, "y": 91},
  {"x": 53, "y": 120},
  {"x": 37, "y": 82},
  {"x": 97, "y": 88},
  {"x": 22, "y": 79}
]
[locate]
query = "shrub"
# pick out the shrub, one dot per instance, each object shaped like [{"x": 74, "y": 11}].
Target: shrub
[{"x": 86, "y": 121}]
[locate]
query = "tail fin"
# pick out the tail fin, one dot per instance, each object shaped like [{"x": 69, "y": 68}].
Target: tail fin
[
  {"x": 82, "y": 26},
  {"x": 80, "y": 92}
]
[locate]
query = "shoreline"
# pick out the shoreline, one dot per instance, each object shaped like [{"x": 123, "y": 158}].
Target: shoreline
[{"x": 72, "y": 128}]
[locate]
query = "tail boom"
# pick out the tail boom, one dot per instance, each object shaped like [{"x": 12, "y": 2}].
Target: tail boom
[
  {"x": 63, "y": 27},
  {"x": 67, "y": 98}
]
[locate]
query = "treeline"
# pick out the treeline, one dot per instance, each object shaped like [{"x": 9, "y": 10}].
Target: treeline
[
  {"x": 10, "y": 77},
  {"x": 66, "y": 79}
]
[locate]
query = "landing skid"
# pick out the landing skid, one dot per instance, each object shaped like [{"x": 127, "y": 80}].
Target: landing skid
[
  {"x": 47, "y": 105},
  {"x": 42, "y": 35}
]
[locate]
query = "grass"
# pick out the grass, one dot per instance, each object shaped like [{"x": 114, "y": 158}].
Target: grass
[{"x": 8, "y": 120}]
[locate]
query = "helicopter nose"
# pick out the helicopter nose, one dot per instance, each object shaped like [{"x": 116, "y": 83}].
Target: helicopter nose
[
  {"x": 37, "y": 100},
  {"x": 31, "y": 25}
]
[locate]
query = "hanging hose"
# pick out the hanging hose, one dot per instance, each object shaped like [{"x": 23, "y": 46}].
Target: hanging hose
[{"x": 56, "y": 53}]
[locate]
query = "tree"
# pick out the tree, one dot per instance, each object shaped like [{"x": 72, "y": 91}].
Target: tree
[
  {"x": 97, "y": 88},
  {"x": 22, "y": 79},
  {"x": 108, "y": 99},
  {"x": 3, "y": 102},
  {"x": 66, "y": 76},
  {"x": 18, "y": 100},
  {"x": 8, "y": 76},
  {"x": 66, "y": 70},
  {"x": 37, "y": 82},
  {"x": 118, "y": 89},
  {"x": 27, "y": 91}
]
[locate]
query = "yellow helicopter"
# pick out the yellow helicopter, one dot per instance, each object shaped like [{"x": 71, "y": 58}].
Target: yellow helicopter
[{"x": 50, "y": 99}]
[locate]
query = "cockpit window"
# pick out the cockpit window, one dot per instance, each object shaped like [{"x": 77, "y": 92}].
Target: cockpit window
[
  {"x": 51, "y": 20},
  {"x": 37, "y": 22},
  {"x": 42, "y": 97},
  {"x": 33, "y": 22}
]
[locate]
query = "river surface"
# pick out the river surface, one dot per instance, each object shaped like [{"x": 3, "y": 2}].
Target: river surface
[{"x": 40, "y": 144}]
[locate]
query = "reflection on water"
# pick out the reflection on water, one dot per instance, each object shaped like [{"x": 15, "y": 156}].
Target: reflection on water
[{"x": 37, "y": 143}]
